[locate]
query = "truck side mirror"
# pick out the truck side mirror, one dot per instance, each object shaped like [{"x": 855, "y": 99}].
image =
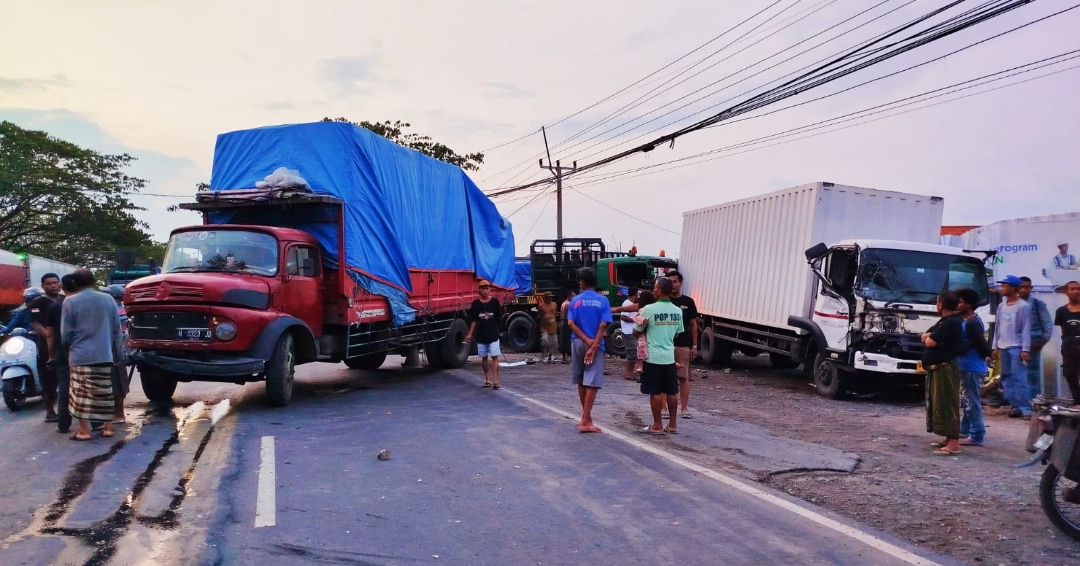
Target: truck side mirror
[{"x": 816, "y": 252}]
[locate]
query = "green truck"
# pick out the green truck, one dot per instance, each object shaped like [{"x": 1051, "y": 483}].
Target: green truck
[{"x": 554, "y": 265}]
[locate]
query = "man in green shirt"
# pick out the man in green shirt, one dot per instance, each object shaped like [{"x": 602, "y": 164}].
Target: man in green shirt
[{"x": 662, "y": 320}]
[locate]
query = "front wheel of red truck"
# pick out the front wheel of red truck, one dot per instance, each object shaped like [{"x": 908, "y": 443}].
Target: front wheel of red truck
[
  {"x": 280, "y": 370},
  {"x": 157, "y": 385}
]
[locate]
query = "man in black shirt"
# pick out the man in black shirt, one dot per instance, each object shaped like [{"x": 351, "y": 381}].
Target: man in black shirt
[
  {"x": 57, "y": 356},
  {"x": 484, "y": 317},
  {"x": 1068, "y": 318},
  {"x": 686, "y": 342},
  {"x": 39, "y": 307}
]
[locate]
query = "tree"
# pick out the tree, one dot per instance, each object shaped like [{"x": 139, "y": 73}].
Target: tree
[
  {"x": 395, "y": 132},
  {"x": 65, "y": 202}
]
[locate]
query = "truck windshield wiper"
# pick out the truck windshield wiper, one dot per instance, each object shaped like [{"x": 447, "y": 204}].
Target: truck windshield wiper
[
  {"x": 897, "y": 298},
  {"x": 182, "y": 268}
]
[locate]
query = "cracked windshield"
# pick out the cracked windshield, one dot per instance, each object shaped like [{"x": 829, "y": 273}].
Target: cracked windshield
[
  {"x": 222, "y": 250},
  {"x": 917, "y": 277}
]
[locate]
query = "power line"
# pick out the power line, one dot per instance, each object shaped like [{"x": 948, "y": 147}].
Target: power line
[
  {"x": 642, "y": 220},
  {"x": 538, "y": 217}
]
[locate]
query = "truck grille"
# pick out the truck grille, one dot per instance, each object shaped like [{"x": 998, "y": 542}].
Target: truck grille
[
  {"x": 144, "y": 292},
  {"x": 164, "y": 326}
]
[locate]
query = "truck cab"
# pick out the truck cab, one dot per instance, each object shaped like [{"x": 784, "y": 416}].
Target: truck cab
[{"x": 872, "y": 302}]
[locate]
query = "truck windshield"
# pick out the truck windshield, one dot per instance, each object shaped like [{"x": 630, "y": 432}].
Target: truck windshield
[
  {"x": 917, "y": 277},
  {"x": 232, "y": 251}
]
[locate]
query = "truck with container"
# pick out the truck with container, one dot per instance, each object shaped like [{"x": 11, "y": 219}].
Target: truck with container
[
  {"x": 552, "y": 272},
  {"x": 320, "y": 242},
  {"x": 19, "y": 271},
  {"x": 853, "y": 318}
]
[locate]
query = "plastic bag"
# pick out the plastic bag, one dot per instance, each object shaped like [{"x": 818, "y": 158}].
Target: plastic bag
[{"x": 283, "y": 178}]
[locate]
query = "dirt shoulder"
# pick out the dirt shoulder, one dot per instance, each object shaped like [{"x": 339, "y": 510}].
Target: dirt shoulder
[{"x": 867, "y": 458}]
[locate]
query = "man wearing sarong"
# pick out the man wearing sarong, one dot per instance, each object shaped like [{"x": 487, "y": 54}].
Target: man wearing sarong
[
  {"x": 943, "y": 342},
  {"x": 90, "y": 329}
]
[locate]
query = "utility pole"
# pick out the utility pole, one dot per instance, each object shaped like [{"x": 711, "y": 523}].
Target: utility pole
[{"x": 557, "y": 169}]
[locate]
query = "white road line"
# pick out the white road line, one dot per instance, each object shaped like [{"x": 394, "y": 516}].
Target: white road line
[
  {"x": 266, "y": 498},
  {"x": 861, "y": 536}
]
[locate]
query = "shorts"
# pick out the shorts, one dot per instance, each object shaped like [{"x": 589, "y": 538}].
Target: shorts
[
  {"x": 659, "y": 379},
  {"x": 489, "y": 350},
  {"x": 682, "y": 357},
  {"x": 549, "y": 342},
  {"x": 591, "y": 375},
  {"x": 630, "y": 346}
]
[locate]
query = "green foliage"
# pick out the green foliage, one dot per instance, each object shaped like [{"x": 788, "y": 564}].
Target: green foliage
[
  {"x": 65, "y": 202},
  {"x": 395, "y": 132}
]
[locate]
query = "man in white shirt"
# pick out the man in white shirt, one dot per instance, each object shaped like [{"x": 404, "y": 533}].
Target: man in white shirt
[{"x": 626, "y": 320}]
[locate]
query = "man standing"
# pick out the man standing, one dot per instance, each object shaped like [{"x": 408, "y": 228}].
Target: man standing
[
  {"x": 1012, "y": 340},
  {"x": 90, "y": 328},
  {"x": 626, "y": 320},
  {"x": 659, "y": 376},
  {"x": 484, "y": 317},
  {"x": 39, "y": 307},
  {"x": 549, "y": 327},
  {"x": 1042, "y": 327},
  {"x": 564, "y": 332},
  {"x": 58, "y": 359},
  {"x": 588, "y": 316},
  {"x": 686, "y": 342},
  {"x": 1068, "y": 318}
]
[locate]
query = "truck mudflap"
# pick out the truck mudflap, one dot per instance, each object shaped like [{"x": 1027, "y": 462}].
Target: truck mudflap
[
  {"x": 881, "y": 363},
  {"x": 223, "y": 369}
]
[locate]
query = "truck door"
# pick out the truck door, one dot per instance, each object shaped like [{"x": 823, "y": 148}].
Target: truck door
[
  {"x": 304, "y": 285},
  {"x": 832, "y": 306}
]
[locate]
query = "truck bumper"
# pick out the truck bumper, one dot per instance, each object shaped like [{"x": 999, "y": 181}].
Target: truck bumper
[
  {"x": 881, "y": 363},
  {"x": 225, "y": 369}
]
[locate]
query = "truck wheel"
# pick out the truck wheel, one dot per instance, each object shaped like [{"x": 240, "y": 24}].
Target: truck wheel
[
  {"x": 157, "y": 385},
  {"x": 713, "y": 350},
  {"x": 828, "y": 378},
  {"x": 455, "y": 350},
  {"x": 367, "y": 361},
  {"x": 780, "y": 361},
  {"x": 280, "y": 371},
  {"x": 433, "y": 354},
  {"x": 13, "y": 394},
  {"x": 522, "y": 334},
  {"x": 614, "y": 341}
]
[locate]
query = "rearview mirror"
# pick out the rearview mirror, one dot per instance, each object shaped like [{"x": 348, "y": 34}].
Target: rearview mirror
[{"x": 816, "y": 252}]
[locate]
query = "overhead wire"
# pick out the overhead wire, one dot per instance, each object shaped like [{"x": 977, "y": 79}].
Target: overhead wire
[
  {"x": 623, "y": 212},
  {"x": 538, "y": 217}
]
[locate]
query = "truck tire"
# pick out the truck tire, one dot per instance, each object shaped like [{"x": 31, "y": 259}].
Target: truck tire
[
  {"x": 713, "y": 350},
  {"x": 1052, "y": 504},
  {"x": 829, "y": 379},
  {"x": 13, "y": 394},
  {"x": 280, "y": 372},
  {"x": 433, "y": 354},
  {"x": 157, "y": 385},
  {"x": 522, "y": 334},
  {"x": 614, "y": 341},
  {"x": 455, "y": 350},
  {"x": 367, "y": 361},
  {"x": 780, "y": 361}
]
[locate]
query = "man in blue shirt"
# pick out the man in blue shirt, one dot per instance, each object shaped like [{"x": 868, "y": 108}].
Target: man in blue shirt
[
  {"x": 1042, "y": 327},
  {"x": 588, "y": 316},
  {"x": 973, "y": 369}
]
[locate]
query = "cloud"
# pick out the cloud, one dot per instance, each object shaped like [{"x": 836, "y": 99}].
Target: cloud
[
  {"x": 351, "y": 75},
  {"x": 22, "y": 85},
  {"x": 279, "y": 106},
  {"x": 500, "y": 89}
]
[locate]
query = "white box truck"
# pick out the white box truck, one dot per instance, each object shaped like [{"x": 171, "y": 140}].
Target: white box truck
[{"x": 854, "y": 316}]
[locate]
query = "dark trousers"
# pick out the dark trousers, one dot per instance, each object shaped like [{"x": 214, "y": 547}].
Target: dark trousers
[
  {"x": 63, "y": 380},
  {"x": 1070, "y": 365}
]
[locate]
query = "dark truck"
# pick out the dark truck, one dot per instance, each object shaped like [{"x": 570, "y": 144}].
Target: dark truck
[
  {"x": 553, "y": 269},
  {"x": 375, "y": 249}
]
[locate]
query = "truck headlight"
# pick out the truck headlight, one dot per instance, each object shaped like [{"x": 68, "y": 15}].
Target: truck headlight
[
  {"x": 13, "y": 347},
  {"x": 225, "y": 331}
]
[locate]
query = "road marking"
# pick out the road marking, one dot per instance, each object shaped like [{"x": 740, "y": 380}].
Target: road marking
[
  {"x": 266, "y": 498},
  {"x": 859, "y": 535}
]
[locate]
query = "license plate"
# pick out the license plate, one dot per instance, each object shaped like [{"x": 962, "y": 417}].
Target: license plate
[
  {"x": 1044, "y": 442},
  {"x": 193, "y": 334}
]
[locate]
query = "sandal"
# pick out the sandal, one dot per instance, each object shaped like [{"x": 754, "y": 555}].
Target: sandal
[
  {"x": 649, "y": 430},
  {"x": 78, "y": 438},
  {"x": 487, "y": 384},
  {"x": 970, "y": 442},
  {"x": 686, "y": 415},
  {"x": 495, "y": 386},
  {"x": 946, "y": 452},
  {"x": 671, "y": 430}
]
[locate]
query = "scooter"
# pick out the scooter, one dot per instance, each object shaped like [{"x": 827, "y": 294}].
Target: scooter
[
  {"x": 1053, "y": 439},
  {"x": 18, "y": 368}
]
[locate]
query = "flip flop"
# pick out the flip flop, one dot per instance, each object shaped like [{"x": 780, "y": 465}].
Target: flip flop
[
  {"x": 686, "y": 415},
  {"x": 944, "y": 452},
  {"x": 970, "y": 442},
  {"x": 76, "y": 438},
  {"x": 936, "y": 445},
  {"x": 586, "y": 430},
  {"x": 487, "y": 384},
  {"x": 648, "y": 430},
  {"x": 107, "y": 434},
  {"x": 495, "y": 386},
  {"x": 671, "y": 430}
]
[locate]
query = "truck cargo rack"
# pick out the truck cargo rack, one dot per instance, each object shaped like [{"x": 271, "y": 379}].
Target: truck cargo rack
[{"x": 210, "y": 201}]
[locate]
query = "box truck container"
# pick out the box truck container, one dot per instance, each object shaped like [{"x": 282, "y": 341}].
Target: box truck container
[{"x": 856, "y": 312}]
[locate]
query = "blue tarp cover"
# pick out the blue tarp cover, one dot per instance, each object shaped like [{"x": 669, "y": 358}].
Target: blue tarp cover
[
  {"x": 403, "y": 209},
  {"x": 523, "y": 277}
]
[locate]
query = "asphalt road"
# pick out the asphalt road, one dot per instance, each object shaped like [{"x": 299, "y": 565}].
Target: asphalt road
[{"x": 474, "y": 476}]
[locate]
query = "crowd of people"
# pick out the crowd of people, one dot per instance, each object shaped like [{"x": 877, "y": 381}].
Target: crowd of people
[
  {"x": 958, "y": 357},
  {"x": 81, "y": 338}
]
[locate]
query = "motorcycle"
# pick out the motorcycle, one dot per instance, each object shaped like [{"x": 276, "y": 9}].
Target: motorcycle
[
  {"x": 1052, "y": 438},
  {"x": 18, "y": 368}
]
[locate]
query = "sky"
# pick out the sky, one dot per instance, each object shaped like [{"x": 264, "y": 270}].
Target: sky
[{"x": 160, "y": 80}]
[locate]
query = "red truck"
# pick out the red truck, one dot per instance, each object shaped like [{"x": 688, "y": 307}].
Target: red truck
[{"x": 375, "y": 249}]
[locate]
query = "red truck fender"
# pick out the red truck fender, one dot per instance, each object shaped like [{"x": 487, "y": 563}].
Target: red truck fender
[{"x": 304, "y": 338}]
